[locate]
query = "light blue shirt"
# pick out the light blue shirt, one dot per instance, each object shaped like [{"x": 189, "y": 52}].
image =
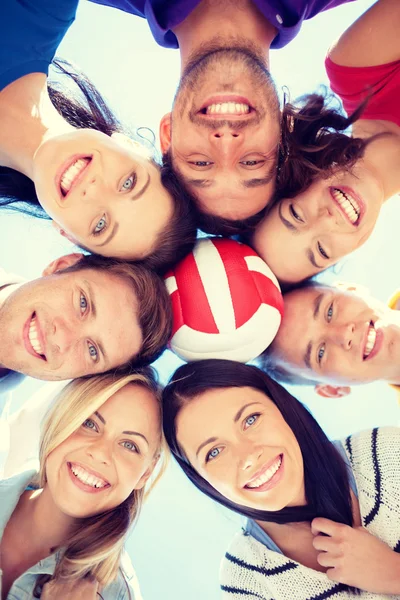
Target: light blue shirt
[{"x": 22, "y": 588}]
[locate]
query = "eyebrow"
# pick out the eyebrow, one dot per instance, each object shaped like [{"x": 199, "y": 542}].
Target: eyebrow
[
  {"x": 250, "y": 183},
  {"x": 201, "y": 183},
  {"x": 102, "y": 419},
  {"x": 94, "y": 314},
  {"x": 235, "y": 420},
  {"x": 317, "y": 306}
]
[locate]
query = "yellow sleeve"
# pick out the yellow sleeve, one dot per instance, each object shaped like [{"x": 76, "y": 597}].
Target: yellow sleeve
[{"x": 394, "y": 301}]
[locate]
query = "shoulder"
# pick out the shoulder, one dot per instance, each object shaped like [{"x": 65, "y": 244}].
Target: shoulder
[
  {"x": 394, "y": 300},
  {"x": 10, "y": 492},
  {"x": 126, "y": 585},
  {"x": 375, "y": 452}
]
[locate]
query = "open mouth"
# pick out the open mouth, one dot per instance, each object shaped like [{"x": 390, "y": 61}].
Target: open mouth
[
  {"x": 35, "y": 339},
  {"x": 87, "y": 478},
  {"x": 370, "y": 341},
  {"x": 261, "y": 479},
  {"x": 72, "y": 174},
  {"x": 227, "y": 107},
  {"x": 349, "y": 205}
]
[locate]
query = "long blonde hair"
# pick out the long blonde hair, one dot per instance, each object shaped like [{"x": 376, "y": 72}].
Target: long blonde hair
[{"x": 96, "y": 546}]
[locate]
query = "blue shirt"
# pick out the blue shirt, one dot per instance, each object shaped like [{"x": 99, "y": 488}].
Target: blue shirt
[
  {"x": 30, "y": 33},
  {"x": 163, "y": 15},
  {"x": 262, "y": 536},
  {"x": 22, "y": 588}
]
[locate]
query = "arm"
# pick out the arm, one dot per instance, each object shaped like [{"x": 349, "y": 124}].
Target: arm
[{"x": 372, "y": 40}]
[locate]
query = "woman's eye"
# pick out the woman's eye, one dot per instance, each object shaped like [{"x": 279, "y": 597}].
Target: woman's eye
[
  {"x": 329, "y": 313},
  {"x": 89, "y": 424},
  {"x": 251, "y": 420},
  {"x": 294, "y": 214},
  {"x": 129, "y": 183},
  {"x": 321, "y": 352},
  {"x": 130, "y": 446},
  {"x": 101, "y": 226},
  {"x": 322, "y": 251},
  {"x": 213, "y": 454},
  {"x": 93, "y": 352},
  {"x": 83, "y": 303}
]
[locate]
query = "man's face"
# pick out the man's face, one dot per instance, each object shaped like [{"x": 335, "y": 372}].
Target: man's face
[
  {"x": 335, "y": 336},
  {"x": 66, "y": 325},
  {"x": 224, "y": 132}
]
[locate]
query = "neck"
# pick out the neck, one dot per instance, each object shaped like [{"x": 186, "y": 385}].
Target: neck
[
  {"x": 46, "y": 526},
  {"x": 203, "y": 26},
  {"x": 27, "y": 119}
]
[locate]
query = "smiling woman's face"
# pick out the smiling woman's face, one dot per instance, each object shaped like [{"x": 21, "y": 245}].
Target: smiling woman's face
[
  {"x": 237, "y": 439},
  {"x": 111, "y": 454},
  {"x": 103, "y": 192},
  {"x": 332, "y": 218}
]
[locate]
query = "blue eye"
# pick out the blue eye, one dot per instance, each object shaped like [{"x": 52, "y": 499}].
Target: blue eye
[
  {"x": 90, "y": 424},
  {"x": 101, "y": 226},
  {"x": 329, "y": 312},
  {"x": 130, "y": 446},
  {"x": 83, "y": 302},
  {"x": 129, "y": 183},
  {"x": 251, "y": 163},
  {"x": 321, "y": 353},
  {"x": 93, "y": 352},
  {"x": 251, "y": 420},
  {"x": 213, "y": 454},
  {"x": 201, "y": 163}
]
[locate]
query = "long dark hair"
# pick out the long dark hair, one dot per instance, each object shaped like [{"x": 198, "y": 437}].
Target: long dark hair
[
  {"x": 89, "y": 110},
  {"x": 314, "y": 142},
  {"x": 326, "y": 480}
]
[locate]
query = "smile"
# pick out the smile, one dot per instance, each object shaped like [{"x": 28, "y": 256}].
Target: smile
[
  {"x": 265, "y": 475},
  {"x": 348, "y": 204},
  {"x": 72, "y": 174},
  {"x": 373, "y": 342},
  {"x": 33, "y": 337},
  {"x": 87, "y": 478},
  {"x": 226, "y": 106}
]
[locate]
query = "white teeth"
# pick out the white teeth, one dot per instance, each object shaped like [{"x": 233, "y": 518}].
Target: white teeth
[
  {"x": 348, "y": 204},
  {"x": 71, "y": 173},
  {"x": 33, "y": 337},
  {"x": 231, "y": 108},
  {"x": 87, "y": 478},
  {"x": 371, "y": 339},
  {"x": 265, "y": 476}
]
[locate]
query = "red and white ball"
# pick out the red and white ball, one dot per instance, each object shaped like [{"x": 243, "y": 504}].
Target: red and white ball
[{"x": 226, "y": 302}]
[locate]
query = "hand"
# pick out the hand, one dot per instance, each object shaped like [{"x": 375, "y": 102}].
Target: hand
[
  {"x": 355, "y": 557},
  {"x": 83, "y": 589}
]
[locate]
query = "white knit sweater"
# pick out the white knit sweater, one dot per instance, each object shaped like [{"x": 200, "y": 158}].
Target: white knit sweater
[{"x": 250, "y": 571}]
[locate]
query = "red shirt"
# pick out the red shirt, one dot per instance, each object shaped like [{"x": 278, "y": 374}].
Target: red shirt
[{"x": 353, "y": 84}]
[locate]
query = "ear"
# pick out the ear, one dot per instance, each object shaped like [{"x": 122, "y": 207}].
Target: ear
[
  {"x": 165, "y": 133},
  {"x": 62, "y": 263},
  {"x": 332, "y": 391},
  {"x": 64, "y": 233}
]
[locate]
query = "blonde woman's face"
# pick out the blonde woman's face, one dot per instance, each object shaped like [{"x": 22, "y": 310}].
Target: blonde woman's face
[{"x": 111, "y": 454}]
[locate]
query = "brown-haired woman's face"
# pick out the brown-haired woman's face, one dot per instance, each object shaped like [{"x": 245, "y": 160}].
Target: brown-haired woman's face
[
  {"x": 304, "y": 235},
  {"x": 237, "y": 439},
  {"x": 111, "y": 454}
]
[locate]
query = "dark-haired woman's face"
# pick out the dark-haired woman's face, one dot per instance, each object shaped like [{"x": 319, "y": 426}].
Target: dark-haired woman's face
[
  {"x": 237, "y": 439},
  {"x": 304, "y": 235},
  {"x": 103, "y": 192}
]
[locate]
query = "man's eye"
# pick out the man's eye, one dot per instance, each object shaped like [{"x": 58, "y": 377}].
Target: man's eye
[
  {"x": 251, "y": 163},
  {"x": 83, "y": 303},
  {"x": 89, "y": 424},
  {"x": 101, "y": 226},
  {"x": 294, "y": 214},
  {"x": 129, "y": 183},
  {"x": 201, "y": 163},
  {"x": 329, "y": 313},
  {"x": 130, "y": 446},
  {"x": 321, "y": 352},
  {"x": 213, "y": 454},
  {"x": 322, "y": 251},
  {"x": 93, "y": 353}
]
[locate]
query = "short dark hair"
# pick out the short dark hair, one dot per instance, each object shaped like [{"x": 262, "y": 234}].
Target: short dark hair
[
  {"x": 326, "y": 479},
  {"x": 154, "y": 305}
]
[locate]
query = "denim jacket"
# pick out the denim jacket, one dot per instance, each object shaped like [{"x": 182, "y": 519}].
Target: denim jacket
[{"x": 123, "y": 588}]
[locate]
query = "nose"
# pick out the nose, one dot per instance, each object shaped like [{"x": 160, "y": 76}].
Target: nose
[
  {"x": 249, "y": 456},
  {"x": 342, "y": 335},
  {"x": 90, "y": 188},
  {"x": 226, "y": 140},
  {"x": 100, "y": 450},
  {"x": 62, "y": 335}
]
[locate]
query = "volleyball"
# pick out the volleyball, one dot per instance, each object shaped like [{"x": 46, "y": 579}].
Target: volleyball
[{"x": 226, "y": 302}]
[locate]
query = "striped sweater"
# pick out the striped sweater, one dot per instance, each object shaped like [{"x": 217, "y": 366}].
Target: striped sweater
[{"x": 250, "y": 571}]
